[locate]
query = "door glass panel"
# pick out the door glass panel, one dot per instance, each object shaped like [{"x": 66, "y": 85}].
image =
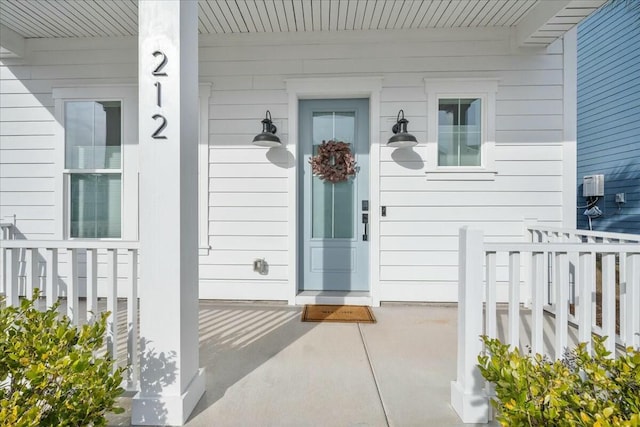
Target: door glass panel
[
  {"x": 343, "y": 209},
  {"x": 333, "y": 205},
  {"x": 322, "y": 200},
  {"x": 344, "y": 130}
]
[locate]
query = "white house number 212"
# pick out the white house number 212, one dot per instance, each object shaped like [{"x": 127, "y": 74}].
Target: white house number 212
[{"x": 157, "y": 72}]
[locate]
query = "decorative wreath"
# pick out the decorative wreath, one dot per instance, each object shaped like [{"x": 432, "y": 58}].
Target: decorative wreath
[{"x": 334, "y": 161}]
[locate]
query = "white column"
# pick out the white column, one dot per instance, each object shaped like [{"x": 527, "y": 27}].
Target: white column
[
  {"x": 171, "y": 382},
  {"x": 468, "y": 397}
]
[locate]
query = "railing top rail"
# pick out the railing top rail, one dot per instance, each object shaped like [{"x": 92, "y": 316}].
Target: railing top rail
[
  {"x": 603, "y": 234},
  {"x": 70, "y": 244},
  {"x": 563, "y": 247},
  {"x": 6, "y": 224}
]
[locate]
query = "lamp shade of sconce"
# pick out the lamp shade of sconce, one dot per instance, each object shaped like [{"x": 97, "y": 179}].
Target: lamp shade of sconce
[
  {"x": 401, "y": 137},
  {"x": 268, "y": 136}
]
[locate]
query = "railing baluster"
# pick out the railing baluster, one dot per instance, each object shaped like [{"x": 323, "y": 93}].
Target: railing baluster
[
  {"x": 594, "y": 305},
  {"x": 609, "y": 300},
  {"x": 562, "y": 302},
  {"x": 92, "y": 285},
  {"x": 3, "y": 263},
  {"x": 574, "y": 290},
  {"x": 587, "y": 280},
  {"x": 537, "y": 314},
  {"x": 11, "y": 268},
  {"x": 552, "y": 274},
  {"x": 633, "y": 273},
  {"x": 31, "y": 272},
  {"x": 51, "y": 269},
  {"x": 622, "y": 291},
  {"x": 112, "y": 304},
  {"x": 72, "y": 286},
  {"x": 132, "y": 317},
  {"x": 526, "y": 288},
  {"x": 514, "y": 299},
  {"x": 546, "y": 264},
  {"x": 490, "y": 314},
  {"x": 632, "y": 318}
]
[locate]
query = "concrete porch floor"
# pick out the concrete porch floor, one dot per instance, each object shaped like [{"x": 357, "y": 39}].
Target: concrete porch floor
[{"x": 265, "y": 367}]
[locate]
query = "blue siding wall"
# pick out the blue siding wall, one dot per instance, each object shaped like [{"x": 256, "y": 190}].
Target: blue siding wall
[{"x": 609, "y": 112}]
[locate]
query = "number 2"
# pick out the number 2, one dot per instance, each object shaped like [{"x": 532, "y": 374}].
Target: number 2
[
  {"x": 157, "y": 133},
  {"x": 158, "y": 70}
]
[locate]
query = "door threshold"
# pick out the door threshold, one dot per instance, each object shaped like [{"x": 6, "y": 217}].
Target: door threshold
[{"x": 334, "y": 297}]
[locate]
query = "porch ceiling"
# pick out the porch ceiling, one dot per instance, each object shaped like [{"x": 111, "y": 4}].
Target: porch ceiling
[{"x": 540, "y": 21}]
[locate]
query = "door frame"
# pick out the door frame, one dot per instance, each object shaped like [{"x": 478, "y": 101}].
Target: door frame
[{"x": 338, "y": 88}]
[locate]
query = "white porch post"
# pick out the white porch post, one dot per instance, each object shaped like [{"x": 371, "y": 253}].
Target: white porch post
[
  {"x": 170, "y": 381},
  {"x": 468, "y": 396}
]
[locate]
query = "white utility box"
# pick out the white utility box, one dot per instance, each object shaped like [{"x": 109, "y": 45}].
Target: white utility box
[{"x": 593, "y": 186}]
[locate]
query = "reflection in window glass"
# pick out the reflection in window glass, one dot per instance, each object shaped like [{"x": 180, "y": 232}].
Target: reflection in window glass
[
  {"x": 459, "y": 132},
  {"x": 93, "y": 136}
]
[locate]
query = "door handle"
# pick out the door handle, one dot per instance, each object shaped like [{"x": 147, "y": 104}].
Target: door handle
[{"x": 365, "y": 221}]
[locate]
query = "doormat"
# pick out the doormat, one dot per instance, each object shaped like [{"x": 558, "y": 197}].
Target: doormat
[{"x": 338, "y": 313}]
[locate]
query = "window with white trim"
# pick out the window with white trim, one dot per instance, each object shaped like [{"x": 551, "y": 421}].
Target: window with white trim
[
  {"x": 459, "y": 132},
  {"x": 97, "y": 161},
  {"x": 461, "y": 127},
  {"x": 93, "y": 161}
]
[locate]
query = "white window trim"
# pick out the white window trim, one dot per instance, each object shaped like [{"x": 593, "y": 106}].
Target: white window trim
[
  {"x": 128, "y": 96},
  {"x": 205, "y": 90},
  {"x": 484, "y": 89}
]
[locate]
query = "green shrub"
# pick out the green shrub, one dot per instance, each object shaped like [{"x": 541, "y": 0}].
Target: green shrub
[
  {"x": 49, "y": 374},
  {"x": 578, "y": 390}
]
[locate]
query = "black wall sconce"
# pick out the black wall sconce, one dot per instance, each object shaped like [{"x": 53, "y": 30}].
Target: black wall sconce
[
  {"x": 401, "y": 137},
  {"x": 268, "y": 136}
]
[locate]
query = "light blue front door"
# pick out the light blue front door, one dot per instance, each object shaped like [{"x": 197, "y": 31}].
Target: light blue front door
[{"x": 334, "y": 240}]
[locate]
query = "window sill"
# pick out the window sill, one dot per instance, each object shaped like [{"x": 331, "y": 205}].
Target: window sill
[{"x": 461, "y": 174}]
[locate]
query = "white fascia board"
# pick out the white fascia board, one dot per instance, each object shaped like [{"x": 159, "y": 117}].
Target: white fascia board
[
  {"x": 12, "y": 44},
  {"x": 539, "y": 16}
]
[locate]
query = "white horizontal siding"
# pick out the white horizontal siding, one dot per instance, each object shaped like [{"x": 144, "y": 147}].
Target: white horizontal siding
[
  {"x": 248, "y": 199},
  {"x": 28, "y": 126}
]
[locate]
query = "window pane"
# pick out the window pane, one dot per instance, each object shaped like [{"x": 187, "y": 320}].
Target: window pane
[
  {"x": 93, "y": 135},
  {"x": 447, "y": 148},
  {"x": 470, "y": 112},
  {"x": 470, "y": 149},
  {"x": 459, "y": 132},
  {"x": 95, "y": 206}
]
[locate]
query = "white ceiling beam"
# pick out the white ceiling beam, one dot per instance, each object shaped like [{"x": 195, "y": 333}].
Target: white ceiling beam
[
  {"x": 538, "y": 17},
  {"x": 12, "y": 44}
]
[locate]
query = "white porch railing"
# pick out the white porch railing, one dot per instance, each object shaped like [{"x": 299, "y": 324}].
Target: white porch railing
[
  {"x": 541, "y": 272},
  {"x": 613, "y": 269},
  {"x": 31, "y": 264}
]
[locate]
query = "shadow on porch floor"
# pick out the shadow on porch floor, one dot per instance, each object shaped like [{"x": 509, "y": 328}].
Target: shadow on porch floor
[{"x": 265, "y": 367}]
